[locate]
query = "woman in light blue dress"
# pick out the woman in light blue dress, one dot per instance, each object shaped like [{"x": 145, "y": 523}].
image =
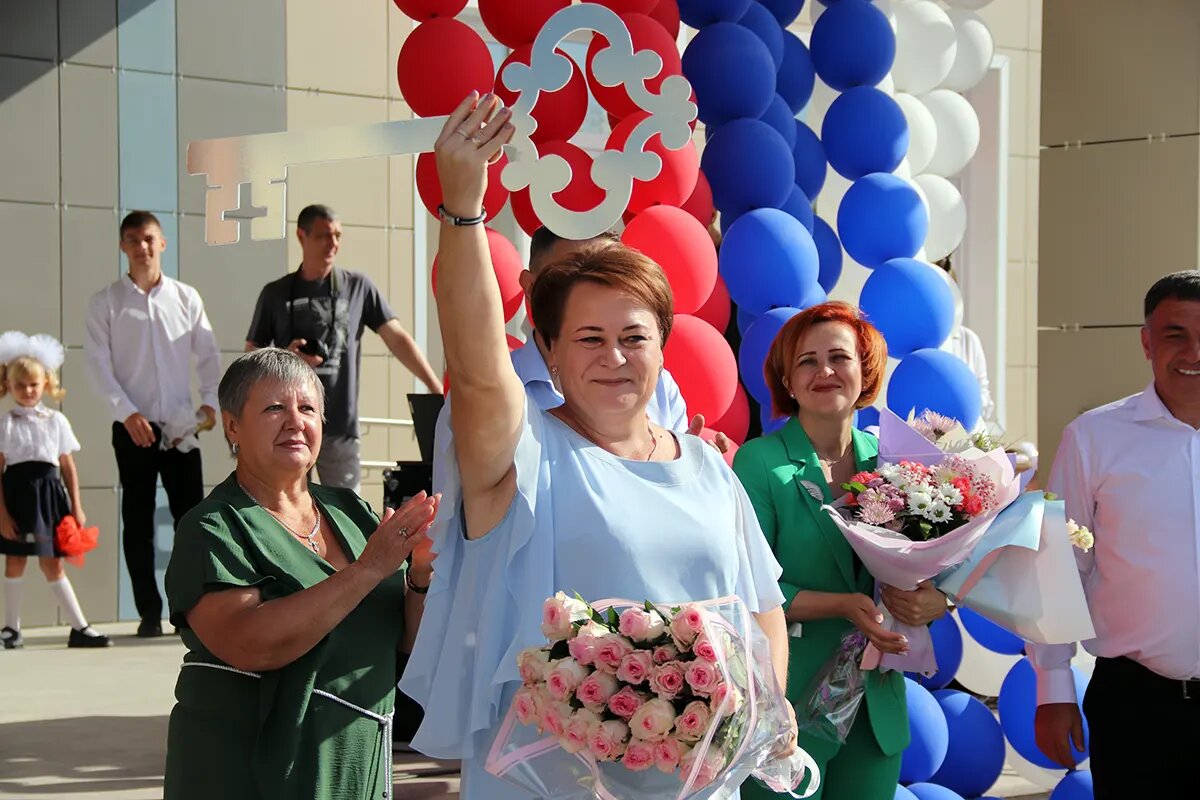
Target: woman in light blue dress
[{"x": 589, "y": 497}]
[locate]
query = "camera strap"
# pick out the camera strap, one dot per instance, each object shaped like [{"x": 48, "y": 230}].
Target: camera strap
[{"x": 334, "y": 292}]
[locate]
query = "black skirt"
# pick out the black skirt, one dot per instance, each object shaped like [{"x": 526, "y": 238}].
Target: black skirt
[{"x": 37, "y": 501}]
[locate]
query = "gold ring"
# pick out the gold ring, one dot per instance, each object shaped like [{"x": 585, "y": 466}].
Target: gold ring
[
  {"x": 404, "y": 533},
  {"x": 462, "y": 133}
]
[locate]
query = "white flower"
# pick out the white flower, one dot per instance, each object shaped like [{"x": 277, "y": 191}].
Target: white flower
[
  {"x": 578, "y": 609},
  {"x": 919, "y": 502},
  {"x": 889, "y": 472},
  {"x": 1081, "y": 537},
  {"x": 937, "y": 512},
  {"x": 949, "y": 494}
]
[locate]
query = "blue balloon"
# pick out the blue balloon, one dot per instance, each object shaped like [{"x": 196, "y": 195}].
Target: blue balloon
[
  {"x": 815, "y": 295},
  {"x": 947, "y": 639},
  {"x": 1074, "y": 786},
  {"x": 910, "y": 305},
  {"x": 800, "y": 207},
  {"x": 904, "y": 794},
  {"x": 770, "y": 423},
  {"x": 748, "y": 165},
  {"x": 796, "y": 77},
  {"x": 768, "y": 258},
  {"x": 744, "y": 320},
  {"x": 991, "y": 635},
  {"x": 829, "y": 252},
  {"x": 976, "y": 753},
  {"x": 865, "y": 418},
  {"x": 881, "y": 217},
  {"x": 931, "y": 791},
  {"x": 853, "y": 44},
  {"x": 930, "y": 736},
  {"x": 732, "y": 72},
  {"x": 780, "y": 117},
  {"x": 864, "y": 131},
  {"x": 756, "y": 344},
  {"x": 938, "y": 381},
  {"x": 762, "y": 23},
  {"x": 698, "y": 13},
  {"x": 785, "y": 11},
  {"x": 1017, "y": 706},
  {"x": 809, "y": 155}
]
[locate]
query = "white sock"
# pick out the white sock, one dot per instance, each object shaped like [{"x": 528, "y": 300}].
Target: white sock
[
  {"x": 12, "y": 602},
  {"x": 65, "y": 595}
]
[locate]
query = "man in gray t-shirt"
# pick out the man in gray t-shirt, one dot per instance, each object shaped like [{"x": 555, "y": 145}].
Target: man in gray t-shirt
[{"x": 319, "y": 312}]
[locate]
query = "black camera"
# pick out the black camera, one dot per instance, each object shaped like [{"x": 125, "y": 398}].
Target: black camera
[{"x": 315, "y": 347}]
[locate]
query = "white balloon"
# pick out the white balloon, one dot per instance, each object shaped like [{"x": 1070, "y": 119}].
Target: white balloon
[
  {"x": 1039, "y": 776},
  {"x": 955, "y": 292},
  {"x": 887, "y": 85},
  {"x": 921, "y": 194},
  {"x": 947, "y": 216},
  {"x": 957, "y": 131},
  {"x": 903, "y": 170},
  {"x": 973, "y": 5},
  {"x": 822, "y": 98},
  {"x": 974, "y": 53},
  {"x": 982, "y": 671},
  {"x": 831, "y": 195},
  {"x": 922, "y": 131},
  {"x": 925, "y": 46}
]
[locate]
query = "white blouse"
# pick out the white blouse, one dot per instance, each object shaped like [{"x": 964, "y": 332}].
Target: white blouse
[{"x": 35, "y": 434}]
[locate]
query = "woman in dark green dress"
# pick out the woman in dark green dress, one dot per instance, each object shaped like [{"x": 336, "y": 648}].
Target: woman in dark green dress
[{"x": 293, "y": 601}]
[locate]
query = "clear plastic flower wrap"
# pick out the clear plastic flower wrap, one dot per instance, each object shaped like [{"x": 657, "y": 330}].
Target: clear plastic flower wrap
[
  {"x": 637, "y": 701},
  {"x": 834, "y": 696}
]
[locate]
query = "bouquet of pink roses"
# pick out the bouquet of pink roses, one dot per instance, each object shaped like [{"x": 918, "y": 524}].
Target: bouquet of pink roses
[{"x": 642, "y": 701}]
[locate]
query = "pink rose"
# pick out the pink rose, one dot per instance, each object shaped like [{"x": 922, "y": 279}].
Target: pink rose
[
  {"x": 718, "y": 698},
  {"x": 667, "y": 680},
  {"x": 687, "y": 625},
  {"x": 709, "y": 770},
  {"x": 640, "y": 625},
  {"x": 558, "y": 613},
  {"x": 555, "y": 716},
  {"x": 639, "y": 755},
  {"x": 693, "y": 722},
  {"x": 653, "y": 720},
  {"x": 582, "y": 648},
  {"x": 574, "y": 737},
  {"x": 667, "y": 753},
  {"x": 665, "y": 652},
  {"x": 612, "y": 652},
  {"x": 702, "y": 676},
  {"x": 636, "y": 667},
  {"x": 704, "y": 648},
  {"x": 606, "y": 741},
  {"x": 526, "y": 705},
  {"x": 596, "y": 689},
  {"x": 564, "y": 678},
  {"x": 534, "y": 663},
  {"x": 626, "y": 702}
]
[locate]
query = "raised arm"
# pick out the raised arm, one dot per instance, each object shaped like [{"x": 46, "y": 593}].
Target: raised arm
[{"x": 489, "y": 399}]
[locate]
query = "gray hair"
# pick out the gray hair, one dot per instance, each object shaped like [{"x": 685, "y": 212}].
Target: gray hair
[{"x": 268, "y": 363}]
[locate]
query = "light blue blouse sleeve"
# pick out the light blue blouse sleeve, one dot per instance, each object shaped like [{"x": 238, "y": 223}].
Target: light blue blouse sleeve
[
  {"x": 484, "y": 605},
  {"x": 758, "y": 570}
]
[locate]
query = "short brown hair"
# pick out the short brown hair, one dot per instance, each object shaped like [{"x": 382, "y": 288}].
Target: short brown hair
[
  {"x": 138, "y": 219},
  {"x": 607, "y": 264},
  {"x": 872, "y": 353}
]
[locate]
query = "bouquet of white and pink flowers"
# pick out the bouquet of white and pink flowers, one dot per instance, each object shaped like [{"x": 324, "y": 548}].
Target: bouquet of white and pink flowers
[{"x": 642, "y": 701}]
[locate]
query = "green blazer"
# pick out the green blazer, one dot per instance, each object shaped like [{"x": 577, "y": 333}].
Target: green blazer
[{"x": 816, "y": 557}]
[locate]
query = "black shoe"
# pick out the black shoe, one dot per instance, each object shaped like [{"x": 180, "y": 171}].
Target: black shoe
[
  {"x": 149, "y": 628},
  {"x": 88, "y": 637},
  {"x": 12, "y": 638}
]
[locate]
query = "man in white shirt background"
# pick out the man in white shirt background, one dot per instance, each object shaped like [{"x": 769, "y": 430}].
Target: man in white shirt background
[
  {"x": 1130, "y": 472},
  {"x": 142, "y": 333}
]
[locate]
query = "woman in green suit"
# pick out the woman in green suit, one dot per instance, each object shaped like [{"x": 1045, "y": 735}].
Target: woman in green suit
[{"x": 825, "y": 363}]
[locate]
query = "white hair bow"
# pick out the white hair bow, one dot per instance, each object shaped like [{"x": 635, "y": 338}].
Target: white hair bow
[{"x": 41, "y": 346}]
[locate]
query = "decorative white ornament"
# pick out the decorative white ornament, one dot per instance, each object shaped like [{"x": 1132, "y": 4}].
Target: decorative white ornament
[
  {"x": 974, "y": 51},
  {"x": 982, "y": 671},
  {"x": 957, "y": 131},
  {"x": 43, "y": 347},
  {"x": 970, "y": 5},
  {"x": 1039, "y": 776},
  {"x": 822, "y": 98},
  {"x": 947, "y": 216},
  {"x": 831, "y": 195},
  {"x": 922, "y": 131},
  {"x": 925, "y": 47},
  {"x": 887, "y": 85}
]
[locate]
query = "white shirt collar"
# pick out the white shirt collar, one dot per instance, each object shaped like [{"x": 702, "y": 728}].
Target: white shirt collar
[
  {"x": 37, "y": 411},
  {"x": 1150, "y": 406},
  {"x": 132, "y": 286}
]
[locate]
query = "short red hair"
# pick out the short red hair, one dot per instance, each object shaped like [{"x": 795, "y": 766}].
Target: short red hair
[{"x": 872, "y": 353}]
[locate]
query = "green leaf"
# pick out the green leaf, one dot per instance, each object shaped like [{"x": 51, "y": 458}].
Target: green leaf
[
  {"x": 595, "y": 615},
  {"x": 855, "y": 486},
  {"x": 614, "y": 620},
  {"x": 559, "y": 650},
  {"x": 1051, "y": 497}
]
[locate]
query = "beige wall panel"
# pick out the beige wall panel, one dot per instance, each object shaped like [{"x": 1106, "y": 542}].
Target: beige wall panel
[
  {"x": 374, "y": 401},
  {"x": 214, "y": 452},
  {"x": 233, "y": 39},
  {"x": 400, "y": 296},
  {"x": 1008, "y": 20},
  {"x": 1017, "y": 422},
  {"x": 341, "y": 51},
  {"x": 399, "y": 26},
  {"x": 365, "y": 250},
  {"x": 30, "y": 297},
  {"x": 403, "y": 446},
  {"x": 1033, "y": 176},
  {"x": 356, "y": 189},
  {"x": 1018, "y": 102},
  {"x": 1117, "y": 69},
  {"x": 1019, "y": 325},
  {"x": 228, "y": 277},
  {"x": 1082, "y": 370},
  {"x": 1113, "y": 218},
  {"x": 400, "y": 176},
  {"x": 1018, "y": 204},
  {"x": 89, "y": 135},
  {"x": 29, "y": 30},
  {"x": 96, "y": 581},
  {"x": 92, "y": 425},
  {"x": 87, "y": 32},
  {"x": 29, "y": 130},
  {"x": 1035, "y": 24},
  {"x": 1033, "y": 125},
  {"x": 90, "y": 261}
]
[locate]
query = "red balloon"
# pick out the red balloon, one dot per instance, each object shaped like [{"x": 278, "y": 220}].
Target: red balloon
[
  {"x": 736, "y": 422},
  {"x": 677, "y": 180},
  {"x": 429, "y": 186},
  {"x": 421, "y": 10},
  {"x": 506, "y": 262},
  {"x": 516, "y": 23},
  {"x": 700, "y": 204},
  {"x": 627, "y": 6},
  {"x": 680, "y": 245},
  {"x": 708, "y": 435},
  {"x": 666, "y": 13},
  {"x": 441, "y": 62},
  {"x": 581, "y": 194},
  {"x": 702, "y": 364},
  {"x": 647, "y": 35},
  {"x": 560, "y": 114},
  {"x": 717, "y": 309}
]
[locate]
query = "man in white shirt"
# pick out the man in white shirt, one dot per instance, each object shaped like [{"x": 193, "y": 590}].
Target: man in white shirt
[
  {"x": 1130, "y": 472},
  {"x": 142, "y": 333}
]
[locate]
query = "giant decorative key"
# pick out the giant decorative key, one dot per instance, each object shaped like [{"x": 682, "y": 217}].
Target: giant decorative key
[{"x": 262, "y": 160}]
